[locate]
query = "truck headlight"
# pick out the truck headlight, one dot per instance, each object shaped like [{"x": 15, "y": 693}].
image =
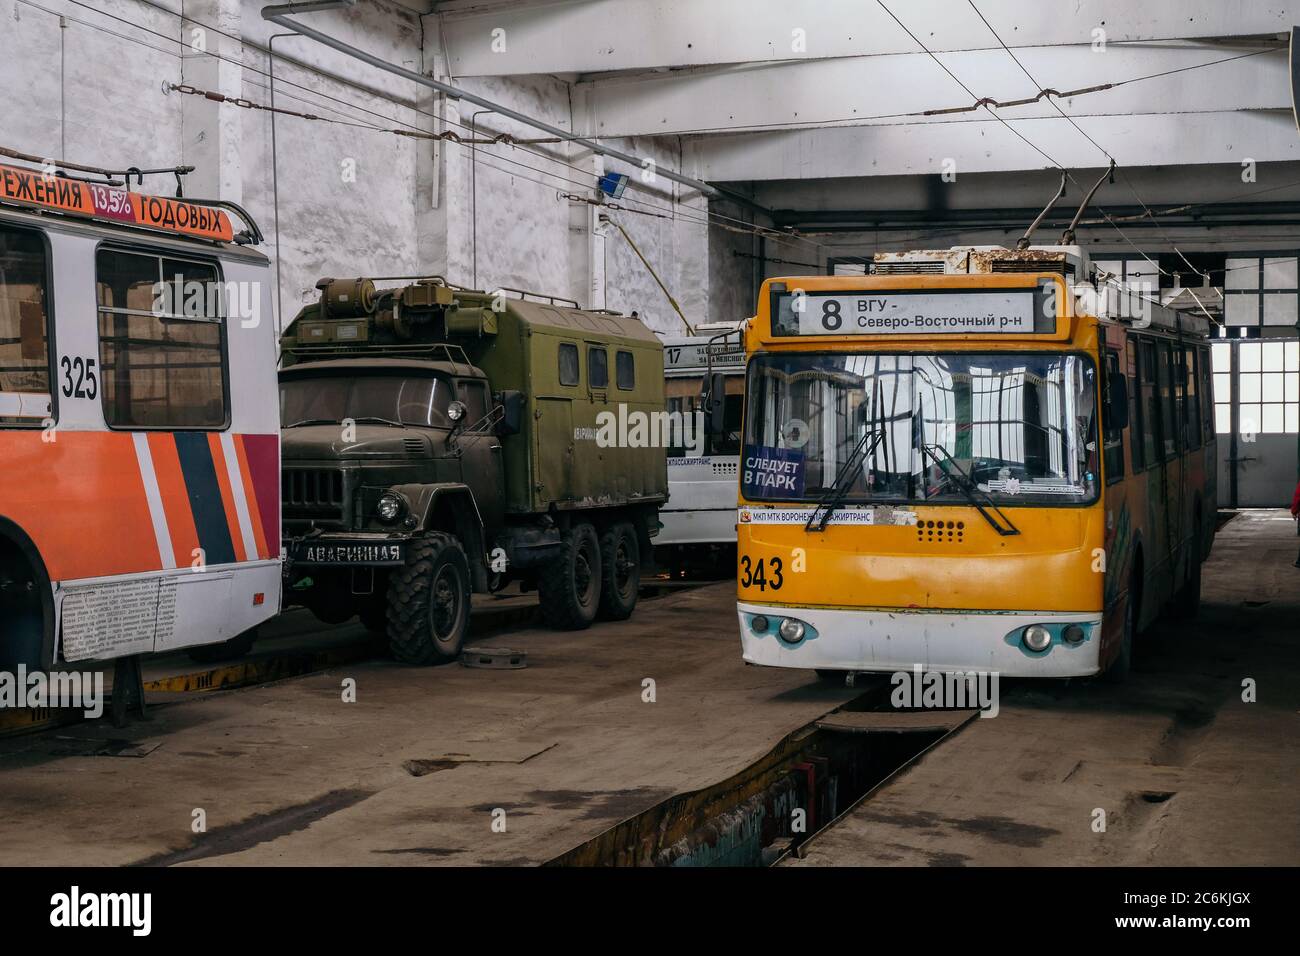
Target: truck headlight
[{"x": 389, "y": 507}]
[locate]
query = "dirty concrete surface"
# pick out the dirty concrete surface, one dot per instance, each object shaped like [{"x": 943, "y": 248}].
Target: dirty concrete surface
[
  {"x": 1187, "y": 773},
  {"x": 411, "y": 772}
]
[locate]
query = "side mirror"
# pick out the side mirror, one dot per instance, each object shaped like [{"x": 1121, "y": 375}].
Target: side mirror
[
  {"x": 715, "y": 405},
  {"x": 1116, "y": 403},
  {"x": 512, "y": 412}
]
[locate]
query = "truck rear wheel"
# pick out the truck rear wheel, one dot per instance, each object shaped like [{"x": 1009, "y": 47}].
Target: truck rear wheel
[
  {"x": 569, "y": 586},
  {"x": 428, "y": 602},
  {"x": 620, "y": 556}
]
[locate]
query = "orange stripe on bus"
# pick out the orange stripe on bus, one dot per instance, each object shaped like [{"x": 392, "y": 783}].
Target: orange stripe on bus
[
  {"x": 227, "y": 496},
  {"x": 81, "y": 500},
  {"x": 250, "y": 494},
  {"x": 175, "y": 497}
]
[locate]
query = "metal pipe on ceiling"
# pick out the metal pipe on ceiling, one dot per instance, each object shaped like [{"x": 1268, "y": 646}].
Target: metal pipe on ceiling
[{"x": 276, "y": 13}]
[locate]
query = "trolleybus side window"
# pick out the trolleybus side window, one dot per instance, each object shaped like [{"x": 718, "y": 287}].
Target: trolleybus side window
[
  {"x": 1113, "y": 437},
  {"x": 1150, "y": 403},
  {"x": 597, "y": 367},
  {"x": 1137, "y": 430},
  {"x": 161, "y": 342},
  {"x": 1190, "y": 396},
  {"x": 25, "y": 394},
  {"x": 1168, "y": 418},
  {"x": 568, "y": 363},
  {"x": 1207, "y": 394}
]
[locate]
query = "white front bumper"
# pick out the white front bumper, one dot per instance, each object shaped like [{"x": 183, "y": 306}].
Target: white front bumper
[
  {"x": 697, "y": 527},
  {"x": 896, "y": 640}
]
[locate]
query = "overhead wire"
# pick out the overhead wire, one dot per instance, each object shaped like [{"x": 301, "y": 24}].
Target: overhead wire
[
  {"x": 1105, "y": 152},
  {"x": 1021, "y": 136},
  {"x": 677, "y": 209}
]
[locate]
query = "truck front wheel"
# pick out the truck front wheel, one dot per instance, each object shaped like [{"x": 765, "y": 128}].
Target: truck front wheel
[
  {"x": 428, "y": 602},
  {"x": 620, "y": 572},
  {"x": 569, "y": 586}
]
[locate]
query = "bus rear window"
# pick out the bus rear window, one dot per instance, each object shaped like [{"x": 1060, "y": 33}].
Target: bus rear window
[{"x": 24, "y": 328}]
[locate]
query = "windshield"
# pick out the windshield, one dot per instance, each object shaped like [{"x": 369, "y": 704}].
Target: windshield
[
  {"x": 419, "y": 400},
  {"x": 1021, "y": 426},
  {"x": 685, "y": 396}
]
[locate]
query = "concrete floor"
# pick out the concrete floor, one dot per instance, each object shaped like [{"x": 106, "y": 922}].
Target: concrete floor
[
  {"x": 288, "y": 773},
  {"x": 1187, "y": 773},
  {"x": 412, "y": 772}
]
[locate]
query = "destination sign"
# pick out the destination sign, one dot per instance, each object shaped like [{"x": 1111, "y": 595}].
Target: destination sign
[
  {"x": 970, "y": 311},
  {"x": 36, "y": 188},
  {"x": 699, "y": 355}
]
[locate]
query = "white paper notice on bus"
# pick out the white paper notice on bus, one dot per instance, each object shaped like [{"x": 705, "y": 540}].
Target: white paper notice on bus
[
  {"x": 1007, "y": 312},
  {"x": 844, "y": 515},
  {"x": 109, "y": 620}
]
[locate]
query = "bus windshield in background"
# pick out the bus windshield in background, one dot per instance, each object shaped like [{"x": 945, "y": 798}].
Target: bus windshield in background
[
  {"x": 1021, "y": 425},
  {"x": 684, "y": 394}
]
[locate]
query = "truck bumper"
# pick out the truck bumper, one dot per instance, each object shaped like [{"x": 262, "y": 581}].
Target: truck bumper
[{"x": 347, "y": 551}]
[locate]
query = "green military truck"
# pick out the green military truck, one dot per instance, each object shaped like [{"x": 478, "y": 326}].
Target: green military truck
[{"x": 439, "y": 440}]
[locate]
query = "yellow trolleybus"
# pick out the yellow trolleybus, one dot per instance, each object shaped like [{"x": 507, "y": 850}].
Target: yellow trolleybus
[{"x": 971, "y": 459}]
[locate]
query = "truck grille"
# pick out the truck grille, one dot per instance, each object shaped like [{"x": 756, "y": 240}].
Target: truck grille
[{"x": 312, "y": 493}]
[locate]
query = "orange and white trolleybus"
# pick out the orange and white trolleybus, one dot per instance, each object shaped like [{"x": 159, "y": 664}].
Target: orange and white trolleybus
[
  {"x": 139, "y": 441},
  {"x": 970, "y": 459}
]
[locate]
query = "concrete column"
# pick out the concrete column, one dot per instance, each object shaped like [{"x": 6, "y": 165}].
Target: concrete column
[
  {"x": 211, "y": 133},
  {"x": 431, "y": 157}
]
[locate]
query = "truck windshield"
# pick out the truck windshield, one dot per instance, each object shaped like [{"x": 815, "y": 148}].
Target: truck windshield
[
  {"x": 403, "y": 399},
  {"x": 1021, "y": 428}
]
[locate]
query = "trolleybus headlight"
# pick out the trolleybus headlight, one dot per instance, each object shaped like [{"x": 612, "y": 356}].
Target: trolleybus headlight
[
  {"x": 791, "y": 631},
  {"x": 1073, "y": 634},
  {"x": 759, "y": 623},
  {"x": 389, "y": 507},
  {"x": 1037, "y": 637}
]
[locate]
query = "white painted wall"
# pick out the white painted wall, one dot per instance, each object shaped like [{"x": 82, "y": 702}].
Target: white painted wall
[{"x": 343, "y": 200}]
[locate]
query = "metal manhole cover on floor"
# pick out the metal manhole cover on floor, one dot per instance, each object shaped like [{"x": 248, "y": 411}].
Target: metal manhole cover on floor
[{"x": 495, "y": 658}]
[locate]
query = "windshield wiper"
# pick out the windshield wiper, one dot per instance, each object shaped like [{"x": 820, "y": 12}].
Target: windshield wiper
[
  {"x": 968, "y": 485},
  {"x": 312, "y": 421},
  {"x": 839, "y": 489},
  {"x": 376, "y": 420}
]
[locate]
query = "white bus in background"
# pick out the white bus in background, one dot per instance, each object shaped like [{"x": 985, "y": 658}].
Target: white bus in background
[{"x": 699, "y": 521}]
